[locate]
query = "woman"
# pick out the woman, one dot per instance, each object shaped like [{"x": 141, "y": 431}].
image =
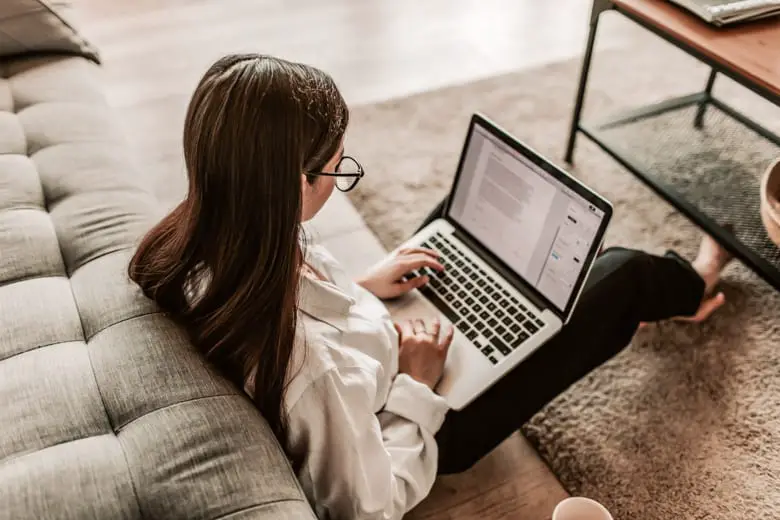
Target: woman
[{"x": 348, "y": 392}]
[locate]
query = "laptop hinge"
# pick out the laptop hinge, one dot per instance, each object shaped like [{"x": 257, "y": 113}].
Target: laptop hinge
[{"x": 506, "y": 273}]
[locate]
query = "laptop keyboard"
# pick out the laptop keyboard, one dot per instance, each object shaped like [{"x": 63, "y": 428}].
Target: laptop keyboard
[{"x": 477, "y": 304}]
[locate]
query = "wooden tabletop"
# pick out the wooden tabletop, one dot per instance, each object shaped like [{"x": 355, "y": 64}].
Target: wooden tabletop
[{"x": 751, "y": 50}]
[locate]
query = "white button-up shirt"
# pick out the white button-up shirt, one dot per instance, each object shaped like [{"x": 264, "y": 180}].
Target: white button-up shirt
[{"x": 364, "y": 432}]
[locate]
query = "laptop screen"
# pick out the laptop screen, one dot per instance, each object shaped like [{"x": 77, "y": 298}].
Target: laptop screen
[{"x": 535, "y": 224}]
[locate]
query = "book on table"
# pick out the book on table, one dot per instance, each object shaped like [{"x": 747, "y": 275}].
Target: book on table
[{"x": 723, "y": 12}]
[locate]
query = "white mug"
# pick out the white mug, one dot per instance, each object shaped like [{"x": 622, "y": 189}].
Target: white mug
[{"x": 580, "y": 508}]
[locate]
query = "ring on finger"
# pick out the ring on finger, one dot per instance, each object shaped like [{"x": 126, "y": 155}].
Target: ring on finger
[{"x": 419, "y": 327}]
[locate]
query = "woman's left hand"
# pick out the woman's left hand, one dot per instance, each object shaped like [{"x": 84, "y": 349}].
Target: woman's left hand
[{"x": 385, "y": 280}]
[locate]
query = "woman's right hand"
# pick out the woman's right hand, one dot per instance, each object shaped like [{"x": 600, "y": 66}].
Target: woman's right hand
[{"x": 421, "y": 352}]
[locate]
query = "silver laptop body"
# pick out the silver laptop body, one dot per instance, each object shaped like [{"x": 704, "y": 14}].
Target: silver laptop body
[{"x": 518, "y": 238}]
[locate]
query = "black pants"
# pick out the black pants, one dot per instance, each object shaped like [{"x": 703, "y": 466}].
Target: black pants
[{"x": 625, "y": 288}]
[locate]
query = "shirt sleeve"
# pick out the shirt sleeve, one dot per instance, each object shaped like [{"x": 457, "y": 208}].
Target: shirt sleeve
[{"x": 357, "y": 464}]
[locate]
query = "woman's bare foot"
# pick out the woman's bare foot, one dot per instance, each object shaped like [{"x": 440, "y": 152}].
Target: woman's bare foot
[{"x": 709, "y": 263}]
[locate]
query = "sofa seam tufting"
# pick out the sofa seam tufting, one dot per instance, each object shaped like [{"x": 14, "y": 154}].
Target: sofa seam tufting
[
  {"x": 28, "y": 278},
  {"x": 171, "y": 405},
  {"x": 38, "y": 347},
  {"x": 27, "y": 453},
  {"x": 98, "y": 257},
  {"x": 22, "y": 206},
  {"x": 150, "y": 313},
  {"x": 130, "y": 477},
  {"x": 108, "y": 418}
]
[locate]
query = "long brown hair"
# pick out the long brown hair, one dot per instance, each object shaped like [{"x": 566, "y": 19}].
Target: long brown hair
[{"x": 225, "y": 262}]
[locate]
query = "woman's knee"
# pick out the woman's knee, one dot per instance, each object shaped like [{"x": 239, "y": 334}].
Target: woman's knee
[
  {"x": 627, "y": 262},
  {"x": 622, "y": 253}
]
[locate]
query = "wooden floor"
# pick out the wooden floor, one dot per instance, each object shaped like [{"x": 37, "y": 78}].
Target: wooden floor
[{"x": 154, "y": 51}]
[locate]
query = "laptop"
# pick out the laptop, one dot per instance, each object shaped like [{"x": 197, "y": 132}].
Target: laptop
[{"x": 517, "y": 238}]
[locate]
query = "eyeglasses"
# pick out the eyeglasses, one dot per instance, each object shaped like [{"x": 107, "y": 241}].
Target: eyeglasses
[{"x": 348, "y": 173}]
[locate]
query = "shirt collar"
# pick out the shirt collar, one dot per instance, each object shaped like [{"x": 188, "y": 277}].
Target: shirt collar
[{"x": 323, "y": 301}]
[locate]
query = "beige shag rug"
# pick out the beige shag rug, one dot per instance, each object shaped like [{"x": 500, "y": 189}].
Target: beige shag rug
[{"x": 685, "y": 423}]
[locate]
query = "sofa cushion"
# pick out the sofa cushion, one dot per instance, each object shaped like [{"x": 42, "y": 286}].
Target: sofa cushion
[
  {"x": 38, "y": 26},
  {"x": 107, "y": 410}
]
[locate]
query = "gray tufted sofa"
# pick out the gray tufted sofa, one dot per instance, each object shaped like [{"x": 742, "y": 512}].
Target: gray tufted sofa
[{"x": 106, "y": 411}]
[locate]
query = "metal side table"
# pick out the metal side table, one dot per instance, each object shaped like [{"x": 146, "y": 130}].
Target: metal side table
[{"x": 748, "y": 54}]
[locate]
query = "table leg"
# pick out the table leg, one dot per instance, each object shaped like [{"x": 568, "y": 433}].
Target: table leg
[
  {"x": 699, "y": 121},
  {"x": 599, "y": 6}
]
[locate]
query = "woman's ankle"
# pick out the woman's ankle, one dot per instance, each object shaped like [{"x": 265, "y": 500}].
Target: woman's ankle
[{"x": 710, "y": 262}]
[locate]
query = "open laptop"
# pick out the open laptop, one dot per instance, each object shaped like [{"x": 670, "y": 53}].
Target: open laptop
[{"x": 517, "y": 238}]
